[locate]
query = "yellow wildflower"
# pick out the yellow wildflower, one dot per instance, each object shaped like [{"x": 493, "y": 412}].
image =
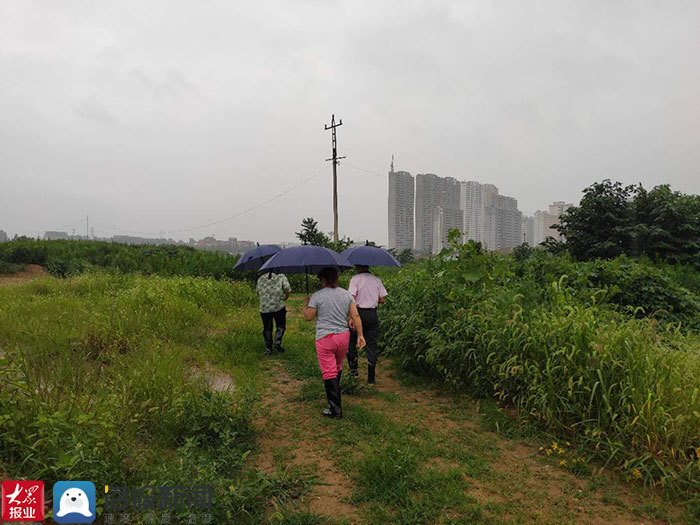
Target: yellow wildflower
[
  {"x": 554, "y": 445},
  {"x": 540, "y": 449},
  {"x": 637, "y": 474},
  {"x": 562, "y": 462},
  {"x": 549, "y": 452}
]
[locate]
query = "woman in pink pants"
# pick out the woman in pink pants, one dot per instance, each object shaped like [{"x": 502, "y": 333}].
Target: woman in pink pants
[{"x": 331, "y": 307}]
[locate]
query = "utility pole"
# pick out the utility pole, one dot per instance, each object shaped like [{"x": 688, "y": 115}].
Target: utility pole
[
  {"x": 335, "y": 160},
  {"x": 87, "y": 227}
]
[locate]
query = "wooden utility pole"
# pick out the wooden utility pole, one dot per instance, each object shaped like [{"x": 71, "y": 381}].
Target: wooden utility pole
[{"x": 335, "y": 158}]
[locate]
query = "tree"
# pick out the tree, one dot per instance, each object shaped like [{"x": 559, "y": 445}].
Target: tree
[
  {"x": 666, "y": 225},
  {"x": 342, "y": 244},
  {"x": 310, "y": 234},
  {"x": 613, "y": 219},
  {"x": 406, "y": 256},
  {"x": 599, "y": 226}
]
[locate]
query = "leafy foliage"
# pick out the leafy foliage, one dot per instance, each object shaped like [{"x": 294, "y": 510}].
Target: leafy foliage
[
  {"x": 569, "y": 344},
  {"x": 613, "y": 219},
  {"x": 310, "y": 234},
  {"x": 63, "y": 258}
]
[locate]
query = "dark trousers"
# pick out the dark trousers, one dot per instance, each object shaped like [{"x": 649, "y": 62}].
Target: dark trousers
[
  {"x": 370, "y": 329},
  {"x": 280, "y": 320}
]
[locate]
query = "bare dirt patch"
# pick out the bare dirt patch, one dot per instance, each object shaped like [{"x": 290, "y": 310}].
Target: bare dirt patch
[{"x": 31, "y": 272}]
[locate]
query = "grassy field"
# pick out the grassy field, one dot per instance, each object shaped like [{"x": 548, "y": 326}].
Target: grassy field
[{"x": 131, "y": 380}]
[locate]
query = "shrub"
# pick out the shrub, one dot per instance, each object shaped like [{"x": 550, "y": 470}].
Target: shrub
[{"x": 564, "y": 351}]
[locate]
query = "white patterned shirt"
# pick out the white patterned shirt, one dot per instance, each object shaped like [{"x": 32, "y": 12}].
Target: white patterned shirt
[{"x": 272, "y": 290}]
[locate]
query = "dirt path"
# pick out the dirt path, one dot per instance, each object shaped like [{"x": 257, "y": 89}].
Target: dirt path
[
  {"x": 31, "y": 271},
  {"x": 519, "y": 484},
  {"x": 289, "y": 438}
]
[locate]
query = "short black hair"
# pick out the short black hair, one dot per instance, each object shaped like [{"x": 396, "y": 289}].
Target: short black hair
[{"x": 330, "y": 275}]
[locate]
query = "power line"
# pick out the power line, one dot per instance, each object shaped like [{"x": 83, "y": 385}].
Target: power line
[
  {"x": 71, "y": 224},
  {"x": 219, "y": 221},
  {"x": 366, "y": 171}
]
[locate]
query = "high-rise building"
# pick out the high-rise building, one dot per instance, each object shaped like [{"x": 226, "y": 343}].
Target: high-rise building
[
  {"x": 3, "y": 236},
  {"x": 545, "y": 220},
  {"x": 509, "y": 224},
  {"x": 433, "y": 191},
  {"x": 401, "y": 198},
  {"x": 439, "y": 241},
  {"x": 489, "y": 218},
  {"x": 529, "y": 229}
]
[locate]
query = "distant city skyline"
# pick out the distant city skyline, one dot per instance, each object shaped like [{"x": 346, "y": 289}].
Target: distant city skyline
[{"x": 442, "y": 204}]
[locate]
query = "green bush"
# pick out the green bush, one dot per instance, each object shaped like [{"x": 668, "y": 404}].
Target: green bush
[
  {"x": 576, "y": 360},
  {"x": 63, "y": 258},
  {"x": 8, "y": 268}
]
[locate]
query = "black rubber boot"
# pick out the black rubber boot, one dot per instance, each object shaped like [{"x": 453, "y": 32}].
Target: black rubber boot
[
  {"x": 370, "y": 374},
  {"x": 267, "y": 335},
  {"x": 333, "y": 395},
  {"x": 278, "y": 340}
]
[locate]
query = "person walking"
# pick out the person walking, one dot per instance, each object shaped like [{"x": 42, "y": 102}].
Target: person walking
[
  {"x": 331, "y": 306},
  {"x": 273, "y": 290},
  {"x": 368, "y": 292}
]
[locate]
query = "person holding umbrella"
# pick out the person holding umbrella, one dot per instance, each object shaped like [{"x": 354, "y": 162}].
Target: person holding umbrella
[
  {"x": 368, "y": 291},
  {"x": 274, "y": 291},
  {"x": 331, "y": 306}
]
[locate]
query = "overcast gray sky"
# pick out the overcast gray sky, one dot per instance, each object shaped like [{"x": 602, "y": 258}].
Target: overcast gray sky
[{"x": 162, "y": 115}]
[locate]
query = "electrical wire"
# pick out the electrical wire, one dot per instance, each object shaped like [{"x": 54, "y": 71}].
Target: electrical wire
[
  {"x": 71, "y": 224},
  {"x": 366, "y": 171},
  {"x": 219, "y": 221}
]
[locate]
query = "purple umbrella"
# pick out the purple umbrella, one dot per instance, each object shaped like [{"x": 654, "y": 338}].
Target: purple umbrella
[
  {"x": 305, "y": 259},
  {"x": 255, "y": 258},
  {"x": 370, "y": 256}
]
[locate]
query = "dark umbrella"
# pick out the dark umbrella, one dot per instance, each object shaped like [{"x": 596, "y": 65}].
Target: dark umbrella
[
  {"x": 305, "y": 259},
  {"x": 370, "y": 256},
  {"x": 255, "y": 258}
]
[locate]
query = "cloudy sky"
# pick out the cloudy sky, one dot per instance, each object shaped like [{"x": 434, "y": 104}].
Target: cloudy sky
[{"x": 154, "y": 116}]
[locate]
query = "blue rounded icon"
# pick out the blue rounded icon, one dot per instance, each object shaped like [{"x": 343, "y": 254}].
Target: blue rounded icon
[{"x": 74, "y": 502}]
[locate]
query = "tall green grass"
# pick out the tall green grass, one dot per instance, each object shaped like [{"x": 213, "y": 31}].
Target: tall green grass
[
  {"x": 98, "y": 382},
  {"x": 625, "y": 385}
]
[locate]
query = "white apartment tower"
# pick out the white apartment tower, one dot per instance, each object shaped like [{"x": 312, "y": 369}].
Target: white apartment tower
[
  {"x": 433, "y": 192},
  {"x": 489, "y": 218},
  {"x": 401, "y": 197},
  {"x": 545, "y": 220}
]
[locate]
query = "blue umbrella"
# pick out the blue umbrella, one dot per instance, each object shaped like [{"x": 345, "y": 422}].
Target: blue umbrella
[
  {"x": 255, "y": 258},
  {"x": 305, "y": 259},
  {"x": 370, "y": 256}
]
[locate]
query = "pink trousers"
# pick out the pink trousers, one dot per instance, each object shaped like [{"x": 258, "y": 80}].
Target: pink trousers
[{"x": 331, "y": 351}]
